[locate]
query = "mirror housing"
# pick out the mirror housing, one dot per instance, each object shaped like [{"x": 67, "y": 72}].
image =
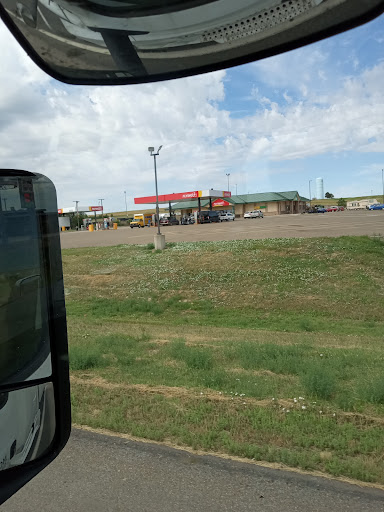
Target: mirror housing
[
  {"x": 99, "y": 42},
  {"x": 35, "y": 415}
]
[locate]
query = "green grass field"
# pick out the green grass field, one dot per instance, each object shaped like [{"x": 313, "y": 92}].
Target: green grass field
[{"x": 268, "y": 349}]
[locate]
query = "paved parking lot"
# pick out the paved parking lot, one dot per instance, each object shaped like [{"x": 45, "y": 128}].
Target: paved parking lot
[{"x": 282, "y": 226}]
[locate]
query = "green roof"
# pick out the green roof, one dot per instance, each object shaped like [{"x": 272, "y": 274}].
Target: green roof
[
  {"x": 266, "y": 197},
  {"x": 262, "y": 197}
]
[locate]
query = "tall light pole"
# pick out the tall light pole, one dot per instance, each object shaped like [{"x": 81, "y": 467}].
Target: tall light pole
[
  {"x": 102, "y": 208},
  {"x": 77, "y": 211},
  {"x": 152, "y": 153},
  {"x": 236, "y": 188},
  {"x": 228, "y": 175},
  {"x": 126, "y": 209},
  {"x": 310, "y": 195}
]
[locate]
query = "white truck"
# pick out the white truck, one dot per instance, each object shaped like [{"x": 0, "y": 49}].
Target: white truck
[
  {"x": 226, "y": 216},
  {"x": 255, "y": 214}
]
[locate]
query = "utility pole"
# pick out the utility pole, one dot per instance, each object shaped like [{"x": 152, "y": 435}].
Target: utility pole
[
  {"x": 310, "y": 195},
  {"x": 126, "y": 209},
  {"x": 236, "y": 188},
  {"x": 77, "y": 211}
]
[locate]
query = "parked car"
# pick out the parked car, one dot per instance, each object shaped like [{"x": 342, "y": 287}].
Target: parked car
[
  {"x": 376, "y": 207},
  {"x": 340, "y": 208},
  {"x": 188, "y": 220},
  {"x": 208, "y": 216},
  {"x": 255, "y": 214},
  {"x": 321, "y": 210},
  {"x": 169, "y": 221},
  {"x": 332, "y": 209},
  {"x": 226, "y": 216}
]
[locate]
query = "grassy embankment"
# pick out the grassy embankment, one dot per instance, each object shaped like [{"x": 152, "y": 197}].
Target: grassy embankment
[{"x": 267, "y": 349}]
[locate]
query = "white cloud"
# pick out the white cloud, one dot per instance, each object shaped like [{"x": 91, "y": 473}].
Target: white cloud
[{"x": 300, "y": 69}]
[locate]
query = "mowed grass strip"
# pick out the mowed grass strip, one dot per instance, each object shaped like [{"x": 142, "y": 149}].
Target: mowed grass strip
[
  {"x": 248, "y": 400},
  {"x": 171, "y": 346},
  {"x": 323, "y": 285}
]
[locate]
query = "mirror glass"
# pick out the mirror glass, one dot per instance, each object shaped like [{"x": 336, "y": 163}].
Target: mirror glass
[
  {"x": 24, "y": 324},
  {"x": 27, "y": 424},
  {"x": 91, "y": 41}
]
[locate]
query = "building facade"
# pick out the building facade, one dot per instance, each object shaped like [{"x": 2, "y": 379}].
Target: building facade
[
  {"x": 270, "y": 203},
  {"x": 361, "y": 204}
]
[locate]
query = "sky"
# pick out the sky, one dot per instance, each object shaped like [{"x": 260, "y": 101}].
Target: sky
[{"x": 273, "y": 125}]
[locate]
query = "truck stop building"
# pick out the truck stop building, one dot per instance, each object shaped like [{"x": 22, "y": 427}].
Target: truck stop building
[{"x": 271, "y": 203}]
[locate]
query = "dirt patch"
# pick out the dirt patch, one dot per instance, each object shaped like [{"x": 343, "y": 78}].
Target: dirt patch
[
  {"x": 179, "y": 392},
  {"x": 262, "y": 373},
  {"x": 363, "y": 419},
  {"x": 160, "y": 342},
  {"x": 168, "y": 391}
]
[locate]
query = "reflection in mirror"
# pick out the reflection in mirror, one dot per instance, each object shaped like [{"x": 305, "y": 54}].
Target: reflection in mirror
[
  {"x": 24, "y": 326},
  {"x": 139, "y": 39},
  {"x": 27, "y": 424}
]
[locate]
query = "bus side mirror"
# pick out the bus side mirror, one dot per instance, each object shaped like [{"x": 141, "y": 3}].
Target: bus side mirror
[
  {"x": 120, "y": 42},
  {"x": 35, "y": 417}
]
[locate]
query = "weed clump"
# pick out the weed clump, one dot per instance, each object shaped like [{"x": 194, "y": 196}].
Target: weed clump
[{"x": 319, "y": 382}]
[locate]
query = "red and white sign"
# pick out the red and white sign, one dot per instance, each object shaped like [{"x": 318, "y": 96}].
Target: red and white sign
[
  {"x": 165, "y": 198},
  {"x": 95, "y": 208},
  {"x": 189, "y": 195},
  {"x": 226, "y": 194},
  {"x": 221, "y": 202}
]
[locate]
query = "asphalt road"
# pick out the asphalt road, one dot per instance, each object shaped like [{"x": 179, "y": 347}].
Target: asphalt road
[
  {"x": 98, "y": 473},
  {"x": 285, "y": 226}
]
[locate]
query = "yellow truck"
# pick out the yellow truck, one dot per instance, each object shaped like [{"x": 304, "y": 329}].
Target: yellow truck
[{"x": 140, "y": 220}]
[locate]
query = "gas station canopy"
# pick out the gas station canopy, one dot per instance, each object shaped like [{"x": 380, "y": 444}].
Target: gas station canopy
[{"x": 180, "y": 196}]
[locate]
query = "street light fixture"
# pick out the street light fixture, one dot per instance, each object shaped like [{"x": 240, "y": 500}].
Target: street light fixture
[{"x": 152, "y": 153}]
